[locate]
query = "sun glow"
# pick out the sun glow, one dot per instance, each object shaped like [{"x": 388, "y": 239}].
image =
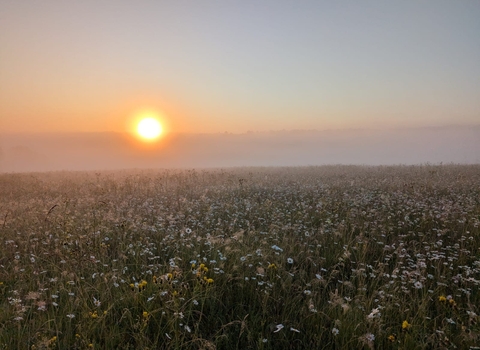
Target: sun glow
[{"x": 149, "y": 128}]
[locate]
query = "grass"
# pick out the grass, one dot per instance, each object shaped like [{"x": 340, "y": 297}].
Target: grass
[{"x": 332, "y": 257}]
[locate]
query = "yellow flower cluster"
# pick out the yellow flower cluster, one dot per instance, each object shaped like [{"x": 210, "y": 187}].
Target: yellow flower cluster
[
  {"x": 272, "y": 266},
  {"x": 203, "y": 268},
  {"x": 168, "y": 278},
  {"x": 142, "y": 285},
  {"x": 139, "y": 286},
  {"x": 449, "y": 298},
  {"x": 201, "y": 274},
  {"x": 406, "y": 325},
  {"x": 208, "y": 280}
]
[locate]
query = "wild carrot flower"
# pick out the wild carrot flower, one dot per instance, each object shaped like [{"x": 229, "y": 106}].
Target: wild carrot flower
[
  {"x": 418, "y": 285},
  {"x": 375, "y": 313},
  {"x": 42, "y": 306},
  {"x": 450, "y": 320},
  {"x": 278, "y": 327}
]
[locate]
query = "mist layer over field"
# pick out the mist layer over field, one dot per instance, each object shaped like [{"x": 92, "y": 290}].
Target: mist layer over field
[{"x": 90, "y": 151}]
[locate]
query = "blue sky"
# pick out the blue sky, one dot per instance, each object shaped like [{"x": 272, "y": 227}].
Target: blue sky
[{"x": 237, "y": 66}]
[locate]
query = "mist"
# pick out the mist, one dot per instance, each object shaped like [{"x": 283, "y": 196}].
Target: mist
[{"x": 110, "y": 151}]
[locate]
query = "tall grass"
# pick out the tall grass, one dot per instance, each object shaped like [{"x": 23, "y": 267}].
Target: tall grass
[{"x": 333, "y": 257}]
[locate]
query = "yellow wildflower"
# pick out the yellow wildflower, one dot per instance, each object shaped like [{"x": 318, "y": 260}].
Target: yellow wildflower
[
  {"x": 391, "y": 337},
  {"x": 53, "y": 339},
  {"x": 142, "y": 285},
  {"x": 209, "y": 280},
  {"x": 405, "y": 324},
  {"x": 272, "y": 266},
  {"x": 442, "y": 298},
  {"x": 145, "y": 314}
]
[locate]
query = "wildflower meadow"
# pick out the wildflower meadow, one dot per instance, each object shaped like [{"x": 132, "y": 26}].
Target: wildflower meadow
[{"x": 329, "y": 257}]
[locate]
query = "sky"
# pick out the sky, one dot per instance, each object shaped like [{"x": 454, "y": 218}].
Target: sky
[{"x": 238, "y": 66}]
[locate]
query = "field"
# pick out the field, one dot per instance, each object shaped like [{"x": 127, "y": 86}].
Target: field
[{"x": 332, "y": 257}]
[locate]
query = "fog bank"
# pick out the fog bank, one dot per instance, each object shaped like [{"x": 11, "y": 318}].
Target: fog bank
[{"x": 105, "y": 151}]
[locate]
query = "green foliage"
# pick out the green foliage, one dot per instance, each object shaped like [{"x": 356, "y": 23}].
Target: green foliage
[{"x": 334, "y": 257}]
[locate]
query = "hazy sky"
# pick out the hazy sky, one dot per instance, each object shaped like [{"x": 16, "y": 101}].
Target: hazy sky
[{"x": 214, "y": 66}]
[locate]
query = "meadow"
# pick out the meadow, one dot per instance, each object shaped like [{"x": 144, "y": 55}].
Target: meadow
[{"x": 330, "y": 257}]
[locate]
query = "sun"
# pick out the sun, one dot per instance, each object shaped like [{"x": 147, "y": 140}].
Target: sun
[{"x": 149, "y": 128}]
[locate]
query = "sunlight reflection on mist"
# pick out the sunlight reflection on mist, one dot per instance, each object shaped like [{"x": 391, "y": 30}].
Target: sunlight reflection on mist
[{"x": 91, "y": 151}]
